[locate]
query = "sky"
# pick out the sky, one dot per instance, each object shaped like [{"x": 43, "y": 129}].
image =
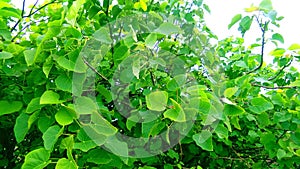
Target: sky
[{"x": 222, "y": 12}]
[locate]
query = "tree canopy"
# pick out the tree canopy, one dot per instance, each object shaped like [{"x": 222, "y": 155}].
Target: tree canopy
[{"x": 142, "y": 84}]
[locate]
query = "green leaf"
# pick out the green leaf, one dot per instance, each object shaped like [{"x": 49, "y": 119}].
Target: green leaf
[
  {"x": 295, "y": 83},
  {"x": 204, "y": 140},
  {"x": 234, "y": 20},
  {"x": 136, "y": 68},
  {"x": 294, "y": 46},
  {"x": 34, "y": 105},
  {"x": 102, "y": 35},
  {"x": 64, "y": 163},
  {"x": 45, "y": 122},
  {"x": 51, "y": 135},
  {"x": 47, "y": 66},
  {"x": 121, "y": 52},
  {"x": 157, "y": 100},
  {"x": 167, "y": 28},
  {"x": 85, "y": 105},
  {"x": 260, "y": 105},
  {"x": 36, "y": 159},
  {"x": 9, "y": 107},
  {"x": 277, "y": 36},
  {"x": 176, "y": 82},
  {"x": 64, "y": 83},
  {"x": 229, "y": 92},
  {"x": 67, "y": 143},
  {"x": 50, "y": 97},
  {"x": 78, "y": 67},
  {"x": 74, "y": 11},
  {"x": 266, "y": 5},
  {"x": 176, "y": 114},
  {"x": 105, "y": 158},
  {"x": 10, "y": 12},
  {"x": 21, "y": 127},
  {"x": 29, "y": 56},
  {"x": 6, "y": 55},
  {"x": 233, "y": 110},
  {"x": 97, "y": 138},
  {"x": 263, "y": 120},
  {"x": 280, "y": 154},
  {"x": 222, "y": 131},
  {"x": 277, "y": 52},
  {"x": 117, "y": 147},
  {"x": 102, "y": 126},
  {"x": 104, "y": 92},
  {"x": 235, "y": 122},
  {"x": 64, "y": 116},
  {"x": 151, "y": 40},
  {"x": 86, "y": 142},
  {"x": 245, "y": 24}
]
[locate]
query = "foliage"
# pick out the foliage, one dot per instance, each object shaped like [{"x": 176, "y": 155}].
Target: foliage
[{"x": 140, "y": 84}]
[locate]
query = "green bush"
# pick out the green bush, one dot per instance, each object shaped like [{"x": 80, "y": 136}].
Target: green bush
[{"x": 141, "y": 84}]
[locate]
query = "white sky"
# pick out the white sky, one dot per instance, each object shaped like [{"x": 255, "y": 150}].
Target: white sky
[{"x": 222, "y": 12}]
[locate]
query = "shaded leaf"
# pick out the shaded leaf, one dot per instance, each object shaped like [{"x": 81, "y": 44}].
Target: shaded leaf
[
  {"x": 21, "y": 127},
  {"x": 9, "y": 107},
  {"x": 51, "y": 135},
  {"x": 204, "y": 140}
]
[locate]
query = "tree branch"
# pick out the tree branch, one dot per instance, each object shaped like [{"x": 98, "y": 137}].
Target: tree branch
[
  {"x": 34, "y": 5},
  {"x": 40, "y": 8},
  {"x": 22, "y": 14},
  {"x": 93, "y": 69},
  {"x": 281, "y": 70},
  {"x": 31, "y": 13},
  {"x": 263, "y": 30},
  {"x": 269, "y": 87}
]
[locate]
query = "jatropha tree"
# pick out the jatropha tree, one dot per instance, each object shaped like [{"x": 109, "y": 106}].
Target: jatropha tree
[{"x": 140, "y": 84}]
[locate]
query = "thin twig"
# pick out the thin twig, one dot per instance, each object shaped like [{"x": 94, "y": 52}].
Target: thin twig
[
  {"x": 281, "y": 70},
  {"x": 95, "y": 70},
  {"x": 22, "y": 14},
  {"x": 269, "y": 87},
  {"x": 30, "y": 14},
  {"x": 34, "y": 5},
  {"x": 40, "y": 8},
  {"x": 23, "y": 8},
  {"x": 19, "y": 32}
]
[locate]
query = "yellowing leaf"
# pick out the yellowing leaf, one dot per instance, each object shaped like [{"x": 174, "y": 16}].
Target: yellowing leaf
[
  {"x": 294, "y": 46},
  {"x": 143, "y": 5},
  {"x": 252, "y": 9}
]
